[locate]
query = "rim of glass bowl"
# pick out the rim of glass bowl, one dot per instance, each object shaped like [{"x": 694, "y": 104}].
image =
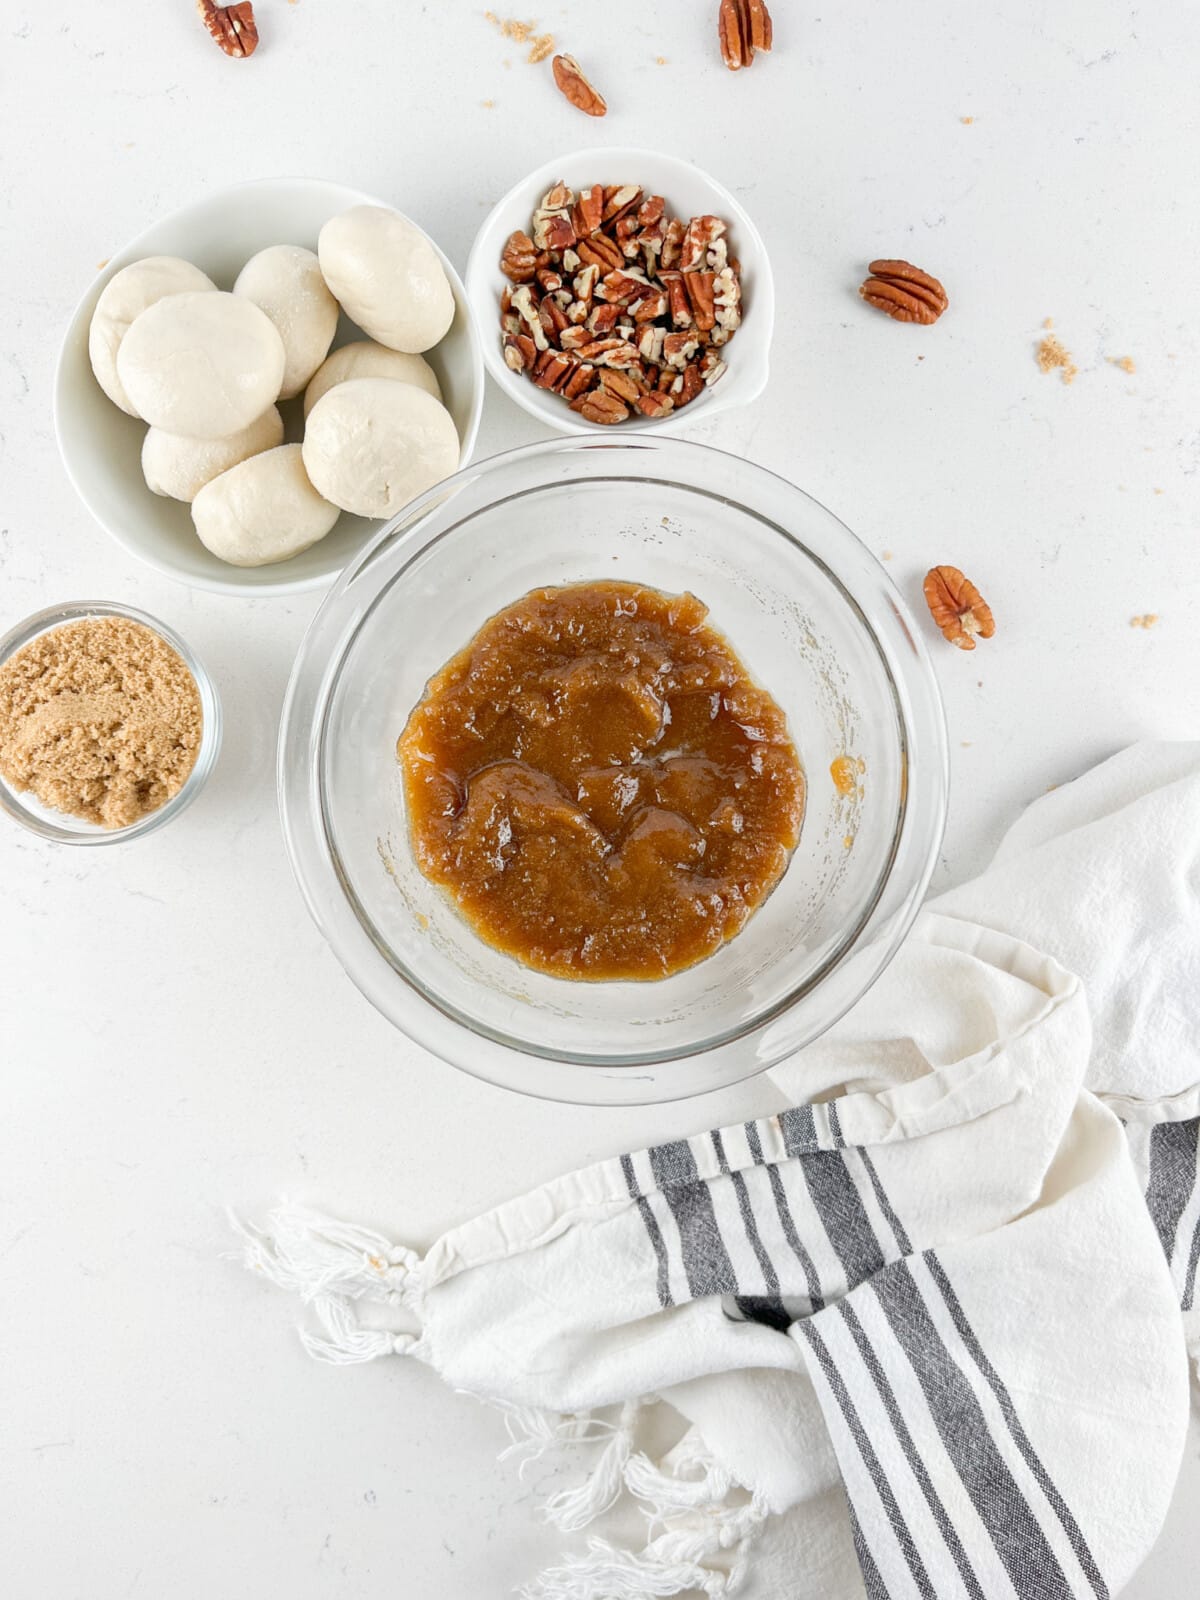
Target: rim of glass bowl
[
  {"x": 75, "y": 831},
  {"x": 599, "y": 1079}
]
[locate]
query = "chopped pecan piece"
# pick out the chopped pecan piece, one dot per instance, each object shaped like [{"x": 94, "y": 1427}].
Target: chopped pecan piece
[
  {"x": 597, "y": 405},
  {"x": 588, "y": 212},
  {"x": 584, "y": 284},
  {"x": 687, "y": 385},
  {"x": 568, "y": 75},
  {"x": 552, "y": 230},
  {"x": 600, "y": 251},
  {"x": 603, "y": 319},
  {"x": 583, "y": 377},
  {"x": 553, "y": 369},
  {"x": 700, "y": 237},
  {"x": 712, "y": 368},
  {"x": 552, "y": 318},
  {"x": 624, "y": 286},
  {"x": 957, "y": 607},
  {"x": 678, "y": 349},
  {"x": 650, "y": 344},
  {"x": 700, "y": 286},
  {"x": 680, "y": 305},
  {"x": 655, "y": 405},
  {"x": 905, "y": 292},
  {"x": 650, "y": 307},
  {"x": 549, "y": 281},
  {"x": 727, "y": 301},
  {"x": 673, "y": 242},
  {"x": 526, "y": 308},
  {"x": 620, "y": 198},
  {"x": 620, "y": 384}
]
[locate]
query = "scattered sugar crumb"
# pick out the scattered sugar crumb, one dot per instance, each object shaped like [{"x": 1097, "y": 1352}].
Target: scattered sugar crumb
[
  {"x": 966, "y": 744},
  {"x": 966, "y": 121},
  {"x": 540, "y": 47},
  {"x": 920, "y": 358},
  {"x": 1146, "y": 621},
  {"x": 1124, "y": 362},
  {"x": 1052, "y": 355},
  {"x": 886, "y": 556},
  {"x": 660, "y": 61},
  {"x": 100, "y": 265},
  {"x": 847, "y": 841},
  {"x": 488, "y": 105},
  {"x": 1158, "y": 491},
  {"x": 1049, "y": 322}
]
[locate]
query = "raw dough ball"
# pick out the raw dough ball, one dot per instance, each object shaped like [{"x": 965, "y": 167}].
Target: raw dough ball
[
  {"x": 262, "y": 510},
  {"x": 364, "y": 359},
  {"x": 180, "y": 467},
  {"x": 372, "y": 444},
  {"x": 387, "y": 276},
  {"x": 204, "y": 365},
  {"x": 125, "y": 296},
  {"x": 285, "y": 281}
]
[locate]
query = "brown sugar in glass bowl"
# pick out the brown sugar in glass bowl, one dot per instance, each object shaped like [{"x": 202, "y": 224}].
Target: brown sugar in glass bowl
[
  {"x": 599, "y": 785},
  {"x": 109, "y": 725}
]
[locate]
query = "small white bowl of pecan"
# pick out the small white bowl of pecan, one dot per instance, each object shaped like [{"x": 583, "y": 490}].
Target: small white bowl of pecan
[{"x": 622, "y": 287}]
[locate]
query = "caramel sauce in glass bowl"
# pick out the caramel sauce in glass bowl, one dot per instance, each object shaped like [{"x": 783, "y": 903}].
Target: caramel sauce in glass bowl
[{"x": 599, "y": 785}]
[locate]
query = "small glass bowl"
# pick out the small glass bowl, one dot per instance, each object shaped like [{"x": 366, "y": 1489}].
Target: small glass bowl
[
  {"x": 63, "y": 828},
  {"x": 816, "y": 621}
]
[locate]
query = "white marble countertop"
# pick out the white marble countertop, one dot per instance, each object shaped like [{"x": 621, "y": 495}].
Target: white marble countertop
[{"x": 176, "y": 1035}]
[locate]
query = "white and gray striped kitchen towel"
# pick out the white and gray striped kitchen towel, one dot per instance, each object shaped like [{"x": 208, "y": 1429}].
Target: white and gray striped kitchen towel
[{"x": 925, "y": 1320}]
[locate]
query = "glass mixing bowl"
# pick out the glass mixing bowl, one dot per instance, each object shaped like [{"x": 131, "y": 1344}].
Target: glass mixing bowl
[{"x": 815, "y": 620}]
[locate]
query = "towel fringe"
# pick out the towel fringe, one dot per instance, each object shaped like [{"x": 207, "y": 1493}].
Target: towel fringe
[
  {"x": 314, "y": 1255},
  {"x": 347, "y": 1342},
  {"x": 674, "y": 1563},
  {"x": 687, "y": 1495},
  {"x": 535, "y": 1432},
  {"x": 572, "y": 1509}
]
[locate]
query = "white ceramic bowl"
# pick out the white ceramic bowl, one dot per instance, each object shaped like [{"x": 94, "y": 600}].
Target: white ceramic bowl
[
  {"x": 689, "y": 193},
  {"x": 101, "y": 446}
]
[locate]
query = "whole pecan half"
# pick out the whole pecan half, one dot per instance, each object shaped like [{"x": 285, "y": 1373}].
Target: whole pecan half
[
  {"x": 905, "y": 292},
  {"x": 598, "y": 405},
  {"x": 518, "y": 259},
  {"x": 570, "y": 79},
  {"x": 744, "y": 27},
  {"x": 957, "y": 607},
  {"x": 233, "y": 27}
]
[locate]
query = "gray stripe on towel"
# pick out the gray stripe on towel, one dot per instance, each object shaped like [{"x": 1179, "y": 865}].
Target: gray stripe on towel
[
  {"x": 768, "y": 1308},
  {"x": 1021, "y": 1439},
  {"x": 652, "y": 1228},
  {"x": 840, "y": 1207},
  {"x": 706, "y": 1262},
  {"x": 1172, "y": 1177},
  {"x": 872, "y": 1581},
  {"x": 960, "y": 1421},
  {"x": 799, "y": 1130},
  {"x": 870, "y": 1460},
  {"x": 787, "y": 1222},
  {"x": 919, "y": 1471}
]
